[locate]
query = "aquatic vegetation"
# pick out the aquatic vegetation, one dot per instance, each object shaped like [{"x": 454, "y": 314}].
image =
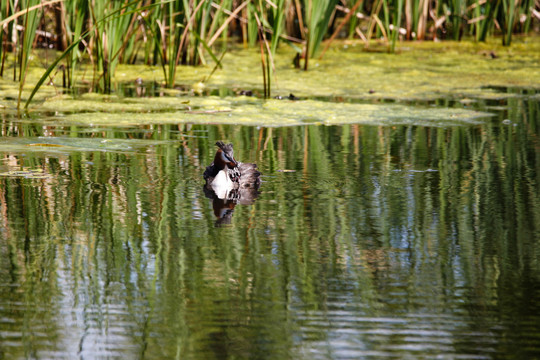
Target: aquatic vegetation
[
  {"x": 450, "y": 82},
  {"x": 437, "y": 76},
  {"x": 318, "y": 14},
  {"x": 423, "y": 71},
  {"x": 106, "y": 34},
  {"x": 110, "y": 111}
]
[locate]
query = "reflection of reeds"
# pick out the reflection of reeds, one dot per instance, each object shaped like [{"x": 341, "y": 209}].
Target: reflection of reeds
[
  {"x": 170, "y": 33},
  {"x": 132, "y": 228}
]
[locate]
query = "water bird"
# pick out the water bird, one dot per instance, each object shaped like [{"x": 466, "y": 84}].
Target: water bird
[{"x": 231, "y": 179}]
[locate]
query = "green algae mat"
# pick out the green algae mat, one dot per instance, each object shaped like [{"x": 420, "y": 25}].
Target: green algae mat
[
  {"x": 349, "y": 85},
  {"x": 250, "y": 111}
]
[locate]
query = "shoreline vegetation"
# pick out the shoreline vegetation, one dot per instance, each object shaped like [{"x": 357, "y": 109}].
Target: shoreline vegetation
[{"x": 104, "y": 35}]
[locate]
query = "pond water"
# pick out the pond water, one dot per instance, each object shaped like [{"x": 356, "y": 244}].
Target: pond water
[{"x": 396, "y": 240}]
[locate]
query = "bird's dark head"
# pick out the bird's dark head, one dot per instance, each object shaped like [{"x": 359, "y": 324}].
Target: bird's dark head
[{"x": 225, "y": 156}]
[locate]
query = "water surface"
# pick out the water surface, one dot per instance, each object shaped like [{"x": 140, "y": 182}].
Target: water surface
[{"x": 398, "y": 240}]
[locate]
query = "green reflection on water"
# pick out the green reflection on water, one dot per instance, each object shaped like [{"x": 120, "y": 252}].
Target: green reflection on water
[{"x": 383, "y": 237}]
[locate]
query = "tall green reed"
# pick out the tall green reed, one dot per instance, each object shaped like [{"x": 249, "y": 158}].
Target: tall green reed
[
  {"x": 122, "y": 11},
  {"x": 5, "y": 7},
  {"x": 448, "y": 19},
  {"x": 73, "y": 14},
  {"x": 483, "y": 18},
  {"x": 173, "y": 36},
  {"x": 269, "y": 21},
  {"x": 277, "y": 13},
  {"x": 30, "y": 24},
  {"x": 170, "y": 33},
  {"x": 396, "y": 18},
  {"x": 456, "y": 9},
  {"x": 266, "y": 58},
  {"x": 317, "y": 14},
  {"x": 179, "y": 31},
  {"x": 112, "y": 37},
  {"x": 507, "y": 17}
]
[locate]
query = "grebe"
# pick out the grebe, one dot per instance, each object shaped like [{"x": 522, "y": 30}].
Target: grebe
[{"x": 228, "y": 177}]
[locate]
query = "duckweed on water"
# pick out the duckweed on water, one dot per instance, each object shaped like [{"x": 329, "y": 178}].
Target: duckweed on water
[
  {"x": 114, "y": 104},
  {"x": 49, "y": 144},
  {"x": 257, "y": 112},
  {"x": 426, "y": 71},
  {"x": 420, "y": 71}
]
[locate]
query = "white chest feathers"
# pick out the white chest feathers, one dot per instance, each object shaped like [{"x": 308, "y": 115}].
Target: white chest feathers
[{"x": 222, "y": 184}]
